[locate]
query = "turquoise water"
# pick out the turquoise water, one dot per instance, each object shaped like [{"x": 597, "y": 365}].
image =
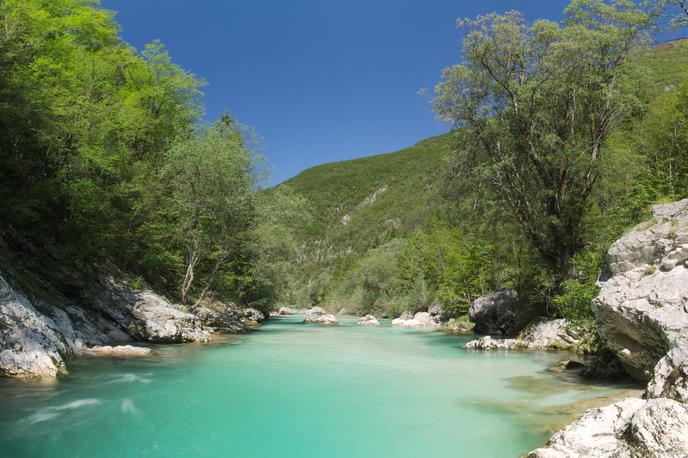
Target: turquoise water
[{"x": 293, "y": 390}]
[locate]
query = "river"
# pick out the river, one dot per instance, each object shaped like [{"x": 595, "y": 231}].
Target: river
[{"x": 294, "y": 390}]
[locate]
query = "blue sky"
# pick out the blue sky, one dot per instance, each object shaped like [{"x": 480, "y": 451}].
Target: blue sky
[{"x": 318, "y": 80}]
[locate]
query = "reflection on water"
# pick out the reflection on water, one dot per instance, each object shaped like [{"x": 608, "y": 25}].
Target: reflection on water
[{"x": 293, "y": 390}]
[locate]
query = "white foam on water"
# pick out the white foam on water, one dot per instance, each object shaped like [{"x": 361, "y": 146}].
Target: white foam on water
[
  {"x": 52, "y": 412},
  {"x": 41, "y": 416},
  {"x": 130, "y": 378}
]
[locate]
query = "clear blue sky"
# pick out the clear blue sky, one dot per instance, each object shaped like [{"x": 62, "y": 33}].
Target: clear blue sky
[{"x": 318, "y": 80}]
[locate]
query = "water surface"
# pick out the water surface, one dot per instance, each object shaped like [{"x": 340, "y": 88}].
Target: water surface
[{"x": 293, "y": 390}]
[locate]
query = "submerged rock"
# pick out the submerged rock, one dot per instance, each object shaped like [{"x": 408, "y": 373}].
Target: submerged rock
[
  {"x": 629, "y": 428},
  {"x": 550, "y": 335},
  {"x": 368, "y": 320},
  {"x": 496, "y": 313},
  {"x": 316, "y": 315},
  {"x": 120, "y": 350},
  {"x": 419, "y": 320}
]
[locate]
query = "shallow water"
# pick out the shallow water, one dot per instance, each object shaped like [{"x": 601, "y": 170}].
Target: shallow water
[{"x": 293, "y": 390}]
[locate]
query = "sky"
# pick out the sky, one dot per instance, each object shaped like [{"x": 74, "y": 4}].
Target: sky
[{"x": 317, "y": 80}]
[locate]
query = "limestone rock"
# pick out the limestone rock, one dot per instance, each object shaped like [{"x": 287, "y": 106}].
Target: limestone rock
[
  {"x": 368, "y": 320},
  {"x": 316, "y": 315},
  {"x": 642, "y": 307},
  {"x": 225, "y": 318},
  {"x": 120, "y": 350},
  {"x": 253, "y": 315},
  {"x": 488, "y": 343},
  {"x": 157, "y": 320},
  {"x": 549, "y": 335},
  {"x": 629, "y": 428},
  {"x": 496, "y": 313},
  {"x": 285, "y": 311},
  {"x": 419, "y": 320}
]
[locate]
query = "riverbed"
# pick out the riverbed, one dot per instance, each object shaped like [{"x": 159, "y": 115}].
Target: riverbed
[{"x": 294, "y": 390}]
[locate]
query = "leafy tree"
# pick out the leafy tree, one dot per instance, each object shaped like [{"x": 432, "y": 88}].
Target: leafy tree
[
  {"x": 538, "y": 102},
  {"x": 211, "y": 182}
]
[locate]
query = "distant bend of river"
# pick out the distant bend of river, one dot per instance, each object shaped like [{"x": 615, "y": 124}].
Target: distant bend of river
[{"x": 294, "y": 390}]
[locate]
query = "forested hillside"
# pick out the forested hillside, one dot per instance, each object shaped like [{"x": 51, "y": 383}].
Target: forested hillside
[
  {"x": 400, "y": 231},
  {"x": 105, "y": 159}
]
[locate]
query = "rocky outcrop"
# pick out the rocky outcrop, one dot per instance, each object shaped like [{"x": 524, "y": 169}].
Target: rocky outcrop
[
  {"x": 37, "y": 337},
  {"x": 220, "y": 317},
  {"x": 629, "y": 428},
  {"x": 368, "y": 320},
  {"x": 252, "y": 316},
  {"x": 419, "y": 320},
  {"x": 497, "y": 313},
  {"x": 120, "y": 350},
  {"x": 542, "y": 335},
  {"x": 285, "y": 311},
  {"x": 642, "y": 307},
  {"x": 642, "y": 314},
  {"x": 316, "y": 315}
]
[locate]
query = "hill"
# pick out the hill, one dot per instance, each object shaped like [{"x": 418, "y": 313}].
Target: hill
[{"x": 359, "y": 204}]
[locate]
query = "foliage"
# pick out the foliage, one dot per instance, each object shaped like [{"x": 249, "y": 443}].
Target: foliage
[
  {"x": 577, "y": 293},
  {"x": 538, "y": 103},
  {"x": 103, "y": 157}
]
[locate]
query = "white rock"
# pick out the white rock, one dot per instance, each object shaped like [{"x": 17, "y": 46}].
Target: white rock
[
  {"x": 629, "y": 428},
  {"x": 368, "y": 320},
  {"x": 120, "y": 350},
  {"x": 316, "y": 315},
  {"x": 419, "y": 320}
]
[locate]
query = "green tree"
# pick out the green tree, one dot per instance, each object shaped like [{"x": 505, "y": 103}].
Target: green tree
[
  {"x": 211, "y": 182},
  {"x": 538, "y": 102}
]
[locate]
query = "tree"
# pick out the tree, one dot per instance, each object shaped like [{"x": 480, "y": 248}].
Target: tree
[
  {"x": 537, "y": 103},
  {"x": 211, "y": 183}
]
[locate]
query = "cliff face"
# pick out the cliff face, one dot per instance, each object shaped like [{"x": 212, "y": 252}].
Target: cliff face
[
  {"x": 642, "y": 313},
  {"x": 38, "y": 336},
  {"x": 642, "y": 307}
]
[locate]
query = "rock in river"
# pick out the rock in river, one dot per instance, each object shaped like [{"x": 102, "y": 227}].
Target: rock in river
[
  {"x": 368, "y": 320},
  {"x": 316, "y": 315},
  {"x": 120, "y": 350}
]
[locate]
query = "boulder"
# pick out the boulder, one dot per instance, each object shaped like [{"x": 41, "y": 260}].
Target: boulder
[
  {"x": 157, "y": 320},
  {"x": 629, "y": 428},
  {"x": 316, "y": 315},
  {"x": 642, "y": 306},
  {"x": 120, "y": 350},
  {"x": 496, "y": 313},
  {"x": 488, "y": 343},
  {"x": 436, "y": 312},
  {"x": 285, "y": 311},
  {"x": 252, "y": 315},
  {"x": 541, "y": 335},
  {"x": 368, "y": 320},
  {"x": 220, "y": 317},
  {"x": 419, "y": 320}
]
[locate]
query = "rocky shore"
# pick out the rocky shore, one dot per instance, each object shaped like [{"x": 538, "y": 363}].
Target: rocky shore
[
  {"x": 38, "y": 336},
  {"x": 642, "y": 315}
]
